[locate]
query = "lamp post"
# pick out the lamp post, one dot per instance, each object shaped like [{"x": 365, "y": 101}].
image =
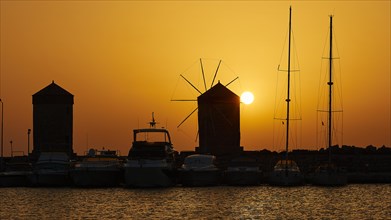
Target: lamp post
[
  {"x": 28, "y": 142},
  {"x": 2, "y": 131},
  {"x": 12, "y": 150}
]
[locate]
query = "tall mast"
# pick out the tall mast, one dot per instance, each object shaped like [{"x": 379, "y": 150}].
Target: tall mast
[
  {"x": 289, "y": 79},
  {"x": 330, "y": 83}
]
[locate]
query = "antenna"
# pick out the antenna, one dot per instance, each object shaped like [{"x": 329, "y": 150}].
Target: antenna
[{"x": 152, "y": 124}]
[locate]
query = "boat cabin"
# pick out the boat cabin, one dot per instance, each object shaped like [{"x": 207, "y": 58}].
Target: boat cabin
[{"x": 151, "y": 143}]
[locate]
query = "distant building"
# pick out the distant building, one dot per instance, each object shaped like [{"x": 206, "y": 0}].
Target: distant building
[
  {"x": 53, "y": 120},
  {"x": 219, "y": 121}
]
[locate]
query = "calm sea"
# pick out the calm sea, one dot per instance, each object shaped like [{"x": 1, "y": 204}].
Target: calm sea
[{"x": 261, "y": 202}]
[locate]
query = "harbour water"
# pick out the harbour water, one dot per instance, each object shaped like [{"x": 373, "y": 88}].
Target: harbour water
[{"x": 361, "y": 201}]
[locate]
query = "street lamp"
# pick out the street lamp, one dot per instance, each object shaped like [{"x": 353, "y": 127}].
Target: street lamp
[
  {"x": 28, "y": 141},
  {"x": 2, "y": 131},
  {"x": 12, "y": 150}
]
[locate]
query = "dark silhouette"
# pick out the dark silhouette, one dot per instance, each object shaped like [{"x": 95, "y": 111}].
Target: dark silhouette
[{"x": 53, "y": 120}]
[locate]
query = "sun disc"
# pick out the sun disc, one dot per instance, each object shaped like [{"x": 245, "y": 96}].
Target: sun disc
[{"x": 247, "y": 98}]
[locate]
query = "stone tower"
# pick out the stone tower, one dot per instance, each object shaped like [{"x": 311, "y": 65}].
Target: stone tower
[
  {"x": 219, "y": 121},
  {"x": 53, "y": 120}
]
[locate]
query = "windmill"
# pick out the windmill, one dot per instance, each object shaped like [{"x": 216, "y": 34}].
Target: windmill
[{"x": 218, "y": 114}]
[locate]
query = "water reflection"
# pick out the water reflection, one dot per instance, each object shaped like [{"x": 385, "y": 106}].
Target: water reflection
[{"x": 264, "y": 202}]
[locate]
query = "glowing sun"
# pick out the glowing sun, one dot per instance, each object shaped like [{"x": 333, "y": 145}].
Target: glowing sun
[{"x": 247, "y": 98}]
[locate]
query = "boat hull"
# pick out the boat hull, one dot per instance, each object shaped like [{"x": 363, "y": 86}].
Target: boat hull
[
  {"x": 96, "y": 177},
  {"x": 329, "y": 179},
  {"x": 50, "y": 179},
  {"x": 147, "y": 177},
  {"x": 369, "y": 177},
  {"x": 286, "y": 178},
  {"x": 14, "y": 179},
  {"x": 242, "y": 178},
  {"x": 200, "y": 177}
]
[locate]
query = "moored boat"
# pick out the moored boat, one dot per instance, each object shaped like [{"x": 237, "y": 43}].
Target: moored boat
[
  {"x": 151, "y": 159},
  {"x": 100, "y": 168},
  {"x": 329, "y": 174},
  {"x": 286, "y": 173},
  {"x": 51, "y": 169},
  {"x": 243, "y": 171},
  {"x": 200, "y": 170},
  {"x": 16, "y": 174}
]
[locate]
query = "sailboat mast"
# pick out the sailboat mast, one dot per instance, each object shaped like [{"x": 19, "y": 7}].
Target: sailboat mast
[
  {"x": 330, "y": 83},
  {"x": 289, "y": 79}
]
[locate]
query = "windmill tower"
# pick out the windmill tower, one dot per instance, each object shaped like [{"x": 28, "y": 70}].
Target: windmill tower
[
  {"x": 53, "y": 120},
  {"x": 218, "y": 118}
]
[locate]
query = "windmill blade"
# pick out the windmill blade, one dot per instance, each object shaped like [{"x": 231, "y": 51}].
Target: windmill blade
[
  {"x": 223, "y": 116},
  {"x": 187, "y": 117},
  {"x": 191, "y": 84},
  {"x": 232, "y": 81},
  {"x": 184, "y": 100},
  {"x": 198, "y": 134},
  {"x": 203, "y": 75},
  {"x": 214, "y": 77}
]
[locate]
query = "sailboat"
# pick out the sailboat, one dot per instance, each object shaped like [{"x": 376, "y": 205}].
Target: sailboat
[
  {"x": 286, "y": 172},
  {"x": 329, "y": 174}
]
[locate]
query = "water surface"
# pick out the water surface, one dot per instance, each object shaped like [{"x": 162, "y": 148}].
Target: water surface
[{"x": 260, "y": 202}]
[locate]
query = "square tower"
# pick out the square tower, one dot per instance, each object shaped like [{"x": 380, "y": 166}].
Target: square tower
[
  {"x": 219, "y": 121},
  {"x": 53, "y": 120}
]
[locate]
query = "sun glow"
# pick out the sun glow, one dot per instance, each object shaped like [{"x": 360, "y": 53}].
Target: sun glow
[{"x": 247, "y": 98}]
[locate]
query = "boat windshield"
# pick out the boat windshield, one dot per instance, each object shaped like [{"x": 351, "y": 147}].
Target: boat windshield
[
  {"x": 286, "y": 164},
  {"x": 101, "y": 159},
  {"x": 243, "y": 161},
  {"x": 199, "y": 161},
  {"x": 53, "y": 156},
  {"x": 152, "y": 135}
]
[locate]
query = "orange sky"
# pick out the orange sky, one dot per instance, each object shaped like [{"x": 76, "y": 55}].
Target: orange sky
[{"x": 122, "y": 61}]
